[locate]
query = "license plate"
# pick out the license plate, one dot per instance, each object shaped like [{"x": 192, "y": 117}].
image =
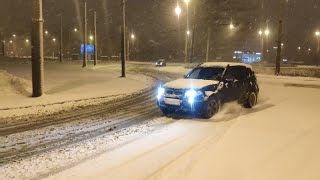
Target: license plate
[{"x": 170, "y": 101}]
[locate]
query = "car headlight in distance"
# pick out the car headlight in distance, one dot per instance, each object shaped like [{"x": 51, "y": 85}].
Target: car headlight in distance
[{"x": 161, "y": 92}]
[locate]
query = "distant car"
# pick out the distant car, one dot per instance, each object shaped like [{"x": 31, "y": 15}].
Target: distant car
[
  {"x": 209, "y": 86},
  {"x": 161, "y": 63}
]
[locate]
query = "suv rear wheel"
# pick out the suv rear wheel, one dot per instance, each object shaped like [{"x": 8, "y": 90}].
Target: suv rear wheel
[{"x": 212, "y": 107}]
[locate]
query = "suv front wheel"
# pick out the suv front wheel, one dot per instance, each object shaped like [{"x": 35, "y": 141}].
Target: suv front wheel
[{"x": 211, "y": 107}]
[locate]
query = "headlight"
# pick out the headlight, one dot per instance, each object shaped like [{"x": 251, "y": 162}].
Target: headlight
[
  {"x": 161, "y": 92},
  {"x": 191, "y": 94}
]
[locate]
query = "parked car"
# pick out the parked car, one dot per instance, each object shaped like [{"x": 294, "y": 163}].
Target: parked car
[
  {"x": 207, "y": 87},
  {"x": 161, "y": 63}
]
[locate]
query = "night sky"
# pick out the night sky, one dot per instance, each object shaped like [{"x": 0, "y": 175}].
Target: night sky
[{"x": 155, "y": 25}]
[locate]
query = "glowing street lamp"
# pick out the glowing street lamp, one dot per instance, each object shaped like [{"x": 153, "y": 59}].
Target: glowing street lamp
[
  {"x": 27, "y": 40},
  {"x": 178, "y": 10},
  {"x": 11, "y": 41},
  {"x": 231, "y": 26},
  {"x": 188, "y": 32},
  {"x": 317, "y": 33},
  {"x": 260, "y": 32},
  {"x": 91, "y": 37},
  {"x": 267, "y": 32},
  {"x": 133, "y": 36},
  {"x": 46, "y": 32},
  {"x": 54, "y": 39},
  {"x": 75, "y": 30},
  {"x": 14, "y": 35}
]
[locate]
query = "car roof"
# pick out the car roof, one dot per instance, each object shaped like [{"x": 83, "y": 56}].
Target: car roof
[{"x": 224, "y": 64}]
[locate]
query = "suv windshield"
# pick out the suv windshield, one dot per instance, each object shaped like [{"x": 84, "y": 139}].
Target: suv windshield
[{"x": 206, "y": 73}]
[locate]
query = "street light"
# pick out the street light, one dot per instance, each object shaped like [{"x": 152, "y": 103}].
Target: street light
[
  {"x": 11, "y": 41},
  {"x": 54, "y": 39},
  {"x": 27, "y": 40},
  {"x": 91, "y": 37},
  {"x": 317, "y": 33},
  {"x": 267, "y": 32},
  {"x": 260, "y": 32},
  {"x": 132, "y": 36},
  {"x": 14, "y": 35},
  {"x": 231, "y": 26},
  {"x": 186, "y": 1},
  {"x": 178, "y": 10},
  {"x": 46, "y": 32},
  {"x": 75, "y": 30},
  {"x": 188, "y": 33}
]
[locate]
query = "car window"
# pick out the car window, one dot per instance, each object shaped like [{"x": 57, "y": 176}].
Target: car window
[
  {"x": 206, "y": 73},
  {"x": 236, "y": 73}
]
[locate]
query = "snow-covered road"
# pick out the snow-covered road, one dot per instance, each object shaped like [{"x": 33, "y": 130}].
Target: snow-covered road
[{"x": 278, "y": 139}]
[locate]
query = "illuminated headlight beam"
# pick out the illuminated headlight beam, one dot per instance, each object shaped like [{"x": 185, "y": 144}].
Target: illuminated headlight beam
[{"x": 161, "y": 92}]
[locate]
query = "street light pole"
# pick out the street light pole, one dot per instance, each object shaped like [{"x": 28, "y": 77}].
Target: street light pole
[
  {"x": 279, "y": 41},
  {"x": 123, "y": 40},
  {"x": 2, "y": 44},
  {"x": 37, "y": 49},
  {"x": 85, "y": 36},
  {"x": 95, "y": 39},
  {"x": 187, "y": 35},
  {"x": 61, "y": 39},
  {"x": 208, "y": 44},
  {"x": 318, "y": 47}
]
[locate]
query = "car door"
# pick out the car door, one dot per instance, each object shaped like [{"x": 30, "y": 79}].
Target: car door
[{"x": 234, "y": 83}]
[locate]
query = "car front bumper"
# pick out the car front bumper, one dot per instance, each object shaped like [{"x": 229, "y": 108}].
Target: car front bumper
[{"x": 197, "y": 106}]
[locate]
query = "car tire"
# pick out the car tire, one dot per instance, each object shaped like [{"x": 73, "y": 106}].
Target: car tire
[
  {"x": 166, "y": 111},
  {"x": 252, "y": 100},
  {"x": 211, "y": 107}
]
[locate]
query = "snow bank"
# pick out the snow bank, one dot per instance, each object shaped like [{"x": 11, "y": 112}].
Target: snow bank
[
  {"x": 10, "y": 85},
  {"x": 66, "y": 86}
]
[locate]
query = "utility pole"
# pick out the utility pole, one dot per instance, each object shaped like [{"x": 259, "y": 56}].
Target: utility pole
[
  {"x": 123, "y": 40},
  {"x": 61, "y": 39},
  {"x": 2, "y": 48},
  {"x": 128, "y": 50},
  {"x": 318, "y": 49},
  {"x": 85, "y": 36},
  {"x": 279, "y": 41},
  {"x": 186, "y": 48},
  {"x": 192, "y": 45},
  {"x": 208, "y": 44},
  {"x": 2, "y": 44},
  {"x": 37, "y": 49},
  {"x": 95, "y": 39}
]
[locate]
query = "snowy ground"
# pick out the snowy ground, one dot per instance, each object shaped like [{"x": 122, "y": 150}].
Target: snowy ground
[
  {"x": 278, "y": 139},
  {"x": 67, "y": 86}
]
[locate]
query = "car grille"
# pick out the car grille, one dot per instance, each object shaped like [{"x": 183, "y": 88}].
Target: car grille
[{"x": 174, "y": 93}]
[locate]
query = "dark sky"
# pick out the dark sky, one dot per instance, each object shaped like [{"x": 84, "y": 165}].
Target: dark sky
[{"x": 148, "y": 18}]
